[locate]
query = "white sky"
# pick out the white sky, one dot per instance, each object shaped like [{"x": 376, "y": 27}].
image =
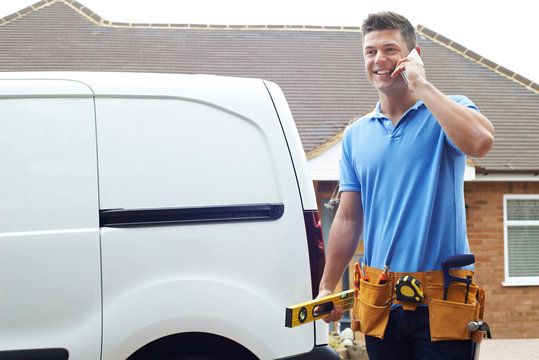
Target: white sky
[{"x": 500, "y": 30}]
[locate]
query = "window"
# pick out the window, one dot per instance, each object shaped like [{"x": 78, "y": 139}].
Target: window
[{"x": 521, "y": 239}]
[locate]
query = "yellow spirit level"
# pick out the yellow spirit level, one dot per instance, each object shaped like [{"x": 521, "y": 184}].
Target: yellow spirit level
[{"x": 305, "y": 312}]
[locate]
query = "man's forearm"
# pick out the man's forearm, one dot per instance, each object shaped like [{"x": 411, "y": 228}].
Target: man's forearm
[{"x": 342, "y": 244}]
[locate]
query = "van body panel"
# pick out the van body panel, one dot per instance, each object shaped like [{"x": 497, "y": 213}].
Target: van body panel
[
  {"x": 170, "y": 317},
  {"x": 50, "y": 287},
  {"x": 25, "y": 87},
  {"x": 177, "y": 153},
  {"x": 204, "y": 142},
  {"x": 155, "y": 142},
  {"x": 259, "y": 287}
]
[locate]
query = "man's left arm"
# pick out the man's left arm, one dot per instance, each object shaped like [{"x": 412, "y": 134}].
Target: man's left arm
[{"x": 468, "y": 129}]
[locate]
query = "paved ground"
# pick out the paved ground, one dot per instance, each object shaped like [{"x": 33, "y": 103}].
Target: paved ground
[
  {"x": 501, "y": 349},
  {"x": 509, "y": 349}
]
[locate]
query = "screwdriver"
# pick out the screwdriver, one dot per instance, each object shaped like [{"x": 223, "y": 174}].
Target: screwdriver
[
  {"x": 356, "y": 277},
  {"x": 469, "y": 280},
  {"x": 364, "y": 275},
  {"x": 382, "y": 278}
]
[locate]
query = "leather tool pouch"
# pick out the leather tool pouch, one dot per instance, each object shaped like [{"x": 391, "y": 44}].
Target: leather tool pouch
[
  {"x": 449, "y": 318},
  {"x": 371, "y": 308}
]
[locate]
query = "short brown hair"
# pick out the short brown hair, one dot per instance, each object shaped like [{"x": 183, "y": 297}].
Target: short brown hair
[{"x": 390, "y": 20}]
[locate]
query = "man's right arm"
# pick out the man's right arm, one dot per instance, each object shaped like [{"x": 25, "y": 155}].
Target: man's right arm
[{"x": 342, "y": 244}]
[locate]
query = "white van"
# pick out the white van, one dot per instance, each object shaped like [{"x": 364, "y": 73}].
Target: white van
[{"x": 154, "y": 216}]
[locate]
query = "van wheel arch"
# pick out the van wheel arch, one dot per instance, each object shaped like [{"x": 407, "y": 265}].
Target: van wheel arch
[{"x": 192, "y": 346}]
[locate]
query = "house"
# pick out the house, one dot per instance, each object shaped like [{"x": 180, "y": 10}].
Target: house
[{"x": 320, "y": 70}]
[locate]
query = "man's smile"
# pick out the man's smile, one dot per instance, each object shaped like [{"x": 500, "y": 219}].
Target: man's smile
[{"x": 383, "y": 71}]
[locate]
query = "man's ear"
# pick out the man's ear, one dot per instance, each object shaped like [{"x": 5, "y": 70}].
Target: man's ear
[{"x": 418, "y": 50}]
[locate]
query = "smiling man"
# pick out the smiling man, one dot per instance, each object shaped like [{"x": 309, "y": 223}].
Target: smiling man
[{"x": 402, "y": 184}]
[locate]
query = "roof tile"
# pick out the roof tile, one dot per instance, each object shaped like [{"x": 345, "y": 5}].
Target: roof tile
[
  {"x": 473, "y": 55},
  {"x": 458, "y": 47},
  {"x": 489, "y": 63},
  {"x": 505, "y": 71},
  {"x": 10, "y": 17},
  {"x": 25, "y": 10}
]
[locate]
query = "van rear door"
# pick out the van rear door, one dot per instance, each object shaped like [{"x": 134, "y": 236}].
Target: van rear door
[
  {"x": 50, "y": 290},
  {"x": 175, "y": 154}
]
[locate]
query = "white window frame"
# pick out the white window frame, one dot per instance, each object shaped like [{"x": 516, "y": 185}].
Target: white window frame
[{"x": 520, "y": 280}]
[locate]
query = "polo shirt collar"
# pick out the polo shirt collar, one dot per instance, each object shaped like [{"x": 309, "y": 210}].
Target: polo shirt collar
[{"x": 378, "y": 115}]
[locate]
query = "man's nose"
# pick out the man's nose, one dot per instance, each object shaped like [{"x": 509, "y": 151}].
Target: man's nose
[{"x": 380, "y": 57}]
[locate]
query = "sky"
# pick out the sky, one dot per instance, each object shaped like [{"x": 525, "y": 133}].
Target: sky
[{"x": 500, "y": 30}]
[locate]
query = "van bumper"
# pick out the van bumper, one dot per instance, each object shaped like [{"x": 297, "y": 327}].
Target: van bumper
[{"x": 323, "y": 352}]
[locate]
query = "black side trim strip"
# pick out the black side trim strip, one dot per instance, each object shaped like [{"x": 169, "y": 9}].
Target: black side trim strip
[
  {"x": 35, "y": 354},
  {"x": 254, "y": 212}
]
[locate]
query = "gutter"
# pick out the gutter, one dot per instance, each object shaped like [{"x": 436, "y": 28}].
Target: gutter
[{"x": 481, "y": 170}]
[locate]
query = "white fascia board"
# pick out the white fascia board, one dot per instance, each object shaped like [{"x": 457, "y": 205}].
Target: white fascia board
[
  {"x": 507, "y": 177},
  {"x": 469, "y": 173},
  {"x": 325, "y": 167}
]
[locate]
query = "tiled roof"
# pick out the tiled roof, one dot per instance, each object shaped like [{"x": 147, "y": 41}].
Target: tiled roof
[{"x": 320, "y": 69}]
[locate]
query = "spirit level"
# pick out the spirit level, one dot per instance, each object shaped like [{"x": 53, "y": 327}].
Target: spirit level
[{"x": 305, "y": 312}]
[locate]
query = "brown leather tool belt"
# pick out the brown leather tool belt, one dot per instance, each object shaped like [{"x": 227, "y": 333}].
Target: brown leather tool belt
[{"x": 448, "y": 318}]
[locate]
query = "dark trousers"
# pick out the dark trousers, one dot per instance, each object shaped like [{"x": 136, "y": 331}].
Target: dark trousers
[{"x": 407, "y": 337}]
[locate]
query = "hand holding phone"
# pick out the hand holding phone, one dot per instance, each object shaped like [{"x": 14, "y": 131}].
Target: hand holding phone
[{"x": 415, "y": 56}]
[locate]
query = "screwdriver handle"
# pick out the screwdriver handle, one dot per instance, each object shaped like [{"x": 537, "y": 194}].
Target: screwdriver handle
[
  {"x": 382, "y": 278},
  {"x": 357, "y": 275},
  {"x": 364, "y": 275}
]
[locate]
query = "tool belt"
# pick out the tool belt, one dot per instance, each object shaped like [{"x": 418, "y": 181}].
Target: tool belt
[{"x": 448, "y": 318}]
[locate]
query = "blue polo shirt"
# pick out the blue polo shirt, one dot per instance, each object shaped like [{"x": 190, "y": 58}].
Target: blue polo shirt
[{"x": 411, "y": 179}]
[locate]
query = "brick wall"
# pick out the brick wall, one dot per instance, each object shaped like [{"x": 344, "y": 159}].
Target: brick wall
[{"x": 512, "y": 312}]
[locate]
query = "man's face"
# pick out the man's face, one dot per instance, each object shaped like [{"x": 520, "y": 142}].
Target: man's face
[{"x": 381, "y": 51}]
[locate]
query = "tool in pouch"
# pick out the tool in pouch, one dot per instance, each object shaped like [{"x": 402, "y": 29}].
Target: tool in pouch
[
  {"x": 452, "y": 262},
  {"x": 409, "y": 288},
  {"x": 360, "y": 273},
  {"x": 356, "y": 278},
  {"x": 382, "y": 278},
  {"x": 354, "y": 324},
  {"x": 309, "y": 311},
  {"x": 478, "y": 329}
]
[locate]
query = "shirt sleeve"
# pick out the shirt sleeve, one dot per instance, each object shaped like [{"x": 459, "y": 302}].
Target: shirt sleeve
[{"x": 348, "y": 178}]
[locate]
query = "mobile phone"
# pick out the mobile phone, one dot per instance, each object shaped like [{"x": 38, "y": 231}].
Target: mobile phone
[{"x": 412, "y": 55}]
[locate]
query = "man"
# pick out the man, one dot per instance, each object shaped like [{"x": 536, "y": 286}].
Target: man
[{"x": 402, "y": 172}]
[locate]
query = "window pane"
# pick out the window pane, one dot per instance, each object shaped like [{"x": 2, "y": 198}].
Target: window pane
[
  {"x": 524, "y": 209},
  {"x": 523, "y": 250}
]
